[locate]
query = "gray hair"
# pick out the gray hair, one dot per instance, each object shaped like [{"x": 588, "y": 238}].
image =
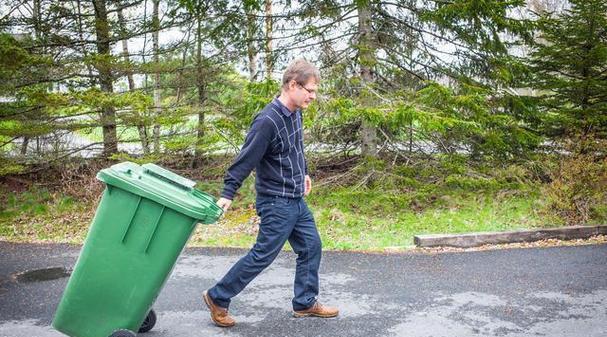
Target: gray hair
[{"x": 300, "y": 71}]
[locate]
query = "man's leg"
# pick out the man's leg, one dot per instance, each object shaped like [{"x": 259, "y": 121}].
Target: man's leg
[
  {"x": 278, "y": 217},
  {"x": 305, "y": 241}
]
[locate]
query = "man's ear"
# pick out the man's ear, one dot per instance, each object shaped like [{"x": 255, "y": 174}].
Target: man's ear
[{"x": 292, "y": 84}]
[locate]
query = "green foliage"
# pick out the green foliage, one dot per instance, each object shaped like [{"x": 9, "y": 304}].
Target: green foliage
[
  {"x": 245, "y": 103},
  {"x": 452, "y": 119},
  {"x": 465, "y": 117},
  {"x": 199, "y": 75},
  {"x": 569, "y": 61},
  {"x": 20, "y": 112},
  {"x": 469, "y": 20},
  {"x": 578, "y": 191},
  {"x": 253, "y": 98},
  {"x": 12, "y": 57},
  {"x": 9, "y": 167},
  {"x": 19, "y": 65}
]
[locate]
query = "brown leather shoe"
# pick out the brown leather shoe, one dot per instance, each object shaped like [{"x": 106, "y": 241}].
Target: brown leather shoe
[
  {"x": 219, "y": 315},
  {"x": 317, "y": 310}
]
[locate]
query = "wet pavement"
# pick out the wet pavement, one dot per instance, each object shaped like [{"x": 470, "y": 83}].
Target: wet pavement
[{"x": 558, "y": 291}]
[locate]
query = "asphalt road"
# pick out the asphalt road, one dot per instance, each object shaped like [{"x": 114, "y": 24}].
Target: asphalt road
[{"x": 560, "y": 291}]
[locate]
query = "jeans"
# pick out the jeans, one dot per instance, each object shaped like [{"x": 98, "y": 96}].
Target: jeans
[{"x": 282, "y": 219}]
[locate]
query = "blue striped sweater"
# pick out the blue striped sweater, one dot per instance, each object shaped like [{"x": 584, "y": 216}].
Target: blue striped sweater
[{"x": 274, "y": 148}]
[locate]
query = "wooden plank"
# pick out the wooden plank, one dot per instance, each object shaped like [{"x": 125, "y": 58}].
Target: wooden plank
[{"x": 479, "y": 239}]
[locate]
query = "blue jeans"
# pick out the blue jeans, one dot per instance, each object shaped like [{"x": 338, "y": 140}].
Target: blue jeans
[{"x": 282, "y": 219}]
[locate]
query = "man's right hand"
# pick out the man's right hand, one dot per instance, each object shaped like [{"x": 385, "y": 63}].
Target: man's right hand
[{"x": 224, "y": 204}]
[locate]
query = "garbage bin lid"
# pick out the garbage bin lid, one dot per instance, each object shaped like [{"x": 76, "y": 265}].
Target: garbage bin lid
[{"x": 163, "y": 186}]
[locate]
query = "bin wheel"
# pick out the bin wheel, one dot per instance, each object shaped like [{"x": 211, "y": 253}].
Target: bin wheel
[
  {"x": 123, "y": 333},
  {"x": 149, "y": 322}
]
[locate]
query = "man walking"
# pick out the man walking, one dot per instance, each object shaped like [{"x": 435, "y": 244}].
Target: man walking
[{"x": 274, "y": 148}]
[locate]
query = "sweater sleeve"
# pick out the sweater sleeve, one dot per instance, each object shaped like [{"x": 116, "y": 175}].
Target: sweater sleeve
[{"x": 255, "y": 146}]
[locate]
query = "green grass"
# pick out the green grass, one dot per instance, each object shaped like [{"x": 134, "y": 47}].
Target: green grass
[
  {"x": 96, "y": 134},
  {"x": 350, "y": 220},
  {"x": 383, "y": 214},
  {"x": 374, "y": 219},
  {"x": 38, "y": 215}
]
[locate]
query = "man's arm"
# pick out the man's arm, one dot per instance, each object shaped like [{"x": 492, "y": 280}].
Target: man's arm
[
  {"x": 307, "y": 179},
  {"x": 254, "y": 148},
  {"x": 307, "y": 185}
]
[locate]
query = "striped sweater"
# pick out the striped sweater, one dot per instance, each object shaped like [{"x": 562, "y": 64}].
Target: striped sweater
[{"x": 274, "y": 148}]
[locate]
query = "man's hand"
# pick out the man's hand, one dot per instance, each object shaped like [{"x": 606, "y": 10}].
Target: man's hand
[
  {"x": 308, "y": 185},
  {"x": 224, "y": 204}
]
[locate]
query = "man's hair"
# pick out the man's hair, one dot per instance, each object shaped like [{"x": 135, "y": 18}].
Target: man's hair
[{"x": 301, "y": 71}]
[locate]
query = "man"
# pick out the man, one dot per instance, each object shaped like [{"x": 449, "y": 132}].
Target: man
[{"x": 274, "y": 148}]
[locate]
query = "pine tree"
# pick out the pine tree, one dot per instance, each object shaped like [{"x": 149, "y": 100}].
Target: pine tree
[
  {"x": 570, "y": 63},
  {"x": 394, "y": 49}
]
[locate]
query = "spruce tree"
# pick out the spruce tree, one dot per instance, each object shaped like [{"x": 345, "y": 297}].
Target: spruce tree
[
  {"x": 570, "y": 67},
  {"x": 570, "y": 64}
]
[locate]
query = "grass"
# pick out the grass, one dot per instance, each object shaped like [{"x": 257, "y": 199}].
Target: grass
[
  {"x": 38, "y": 215},
  {"x": 348, "y": 225},
  {"x": 95, "y": 134},
  {"x": 386, "y": 212},
  {"x": 371, "y": 219}
]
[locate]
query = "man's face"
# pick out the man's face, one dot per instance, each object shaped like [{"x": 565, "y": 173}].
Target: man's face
[{"x": 302, "y": 94}]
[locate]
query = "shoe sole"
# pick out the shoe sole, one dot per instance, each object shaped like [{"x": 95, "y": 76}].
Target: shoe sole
[
  {"x": 301, "y": 315},
  {"x": 207, "y": 300}
]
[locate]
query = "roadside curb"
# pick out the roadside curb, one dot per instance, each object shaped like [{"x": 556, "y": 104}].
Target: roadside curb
[{"x": 478, "y": 239}]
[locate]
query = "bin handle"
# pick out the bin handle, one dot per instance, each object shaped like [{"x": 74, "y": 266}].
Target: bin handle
[{"x": 168, "y": 176}]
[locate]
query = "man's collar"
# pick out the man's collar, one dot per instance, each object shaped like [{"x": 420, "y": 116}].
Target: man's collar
[{"x": 285, "y": 111}]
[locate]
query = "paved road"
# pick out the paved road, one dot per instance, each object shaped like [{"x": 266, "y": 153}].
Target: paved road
[{"x": 552, "y": 292}]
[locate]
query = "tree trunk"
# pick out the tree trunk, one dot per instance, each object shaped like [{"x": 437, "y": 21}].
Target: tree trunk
[
  {"x": 411, "y": 136},
  {"x": 36, "y": 8},
  {"x": 184, "y": 55},
  {"x": 125, "y": 48},
  {"x": 155, "y": 45},
  {"x": 36, "y": 16},
  {"x": 366, "y": 60},
  {"x": 141, "y": 128},
  {"x": 251, "y": 52},
  {"x": 108, "y": 114},
  {"x": 26, "y": 141},
  {"x": 180, "y": 84},
  {"x": 81, "y": 37},
  {"x": 269, "y": 61},
  {"x": 201, "y": 86}
]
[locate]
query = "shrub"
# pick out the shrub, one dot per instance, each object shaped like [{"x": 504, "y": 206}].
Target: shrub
[{"x": 578, "y": 191}]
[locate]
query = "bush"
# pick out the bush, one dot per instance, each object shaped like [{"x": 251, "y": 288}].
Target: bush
[{"x": 578, "y": 191}]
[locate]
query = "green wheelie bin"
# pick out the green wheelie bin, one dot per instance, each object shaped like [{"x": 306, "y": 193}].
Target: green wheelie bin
[{"x": 143, "y": 221}]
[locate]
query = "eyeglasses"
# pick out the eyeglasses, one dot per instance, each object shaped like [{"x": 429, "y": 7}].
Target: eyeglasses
[{"x": 310, "y": 91}]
